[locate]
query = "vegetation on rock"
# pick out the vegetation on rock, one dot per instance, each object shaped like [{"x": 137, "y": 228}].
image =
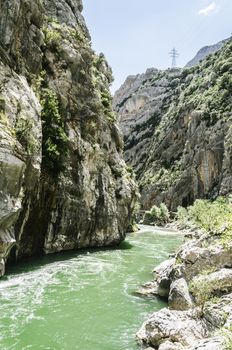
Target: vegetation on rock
[
  {"x": 24, "y": 131},
  {"x": 58, "y": 136},
  {"x": 214, "y": 217},
  {"x": 177, "y": 123},
  {"x": 54, "y": 143},
  {"x": 157, "y": 215}
]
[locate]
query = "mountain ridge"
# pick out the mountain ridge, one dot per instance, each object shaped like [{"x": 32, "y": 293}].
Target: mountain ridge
[{"x": 205, "y": 51}]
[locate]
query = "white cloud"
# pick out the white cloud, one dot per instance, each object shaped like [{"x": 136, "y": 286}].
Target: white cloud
[{"x": 207, "y": 10}]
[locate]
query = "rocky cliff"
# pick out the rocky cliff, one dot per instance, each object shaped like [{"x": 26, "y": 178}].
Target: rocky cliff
[
  {"x": 63, "y": 183},
  {"x": 177, "y": 130}
]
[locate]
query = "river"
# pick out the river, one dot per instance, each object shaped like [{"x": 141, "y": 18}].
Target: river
[{"x": 82, "y": 300}]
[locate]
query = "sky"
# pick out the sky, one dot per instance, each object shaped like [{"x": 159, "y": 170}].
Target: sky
[{"x": 137, "y": 34}]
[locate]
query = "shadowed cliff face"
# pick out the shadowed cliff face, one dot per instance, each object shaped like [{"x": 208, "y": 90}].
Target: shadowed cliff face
[
  {"x": 63, "y": 183},
  {"x": 177, "y": 130}
]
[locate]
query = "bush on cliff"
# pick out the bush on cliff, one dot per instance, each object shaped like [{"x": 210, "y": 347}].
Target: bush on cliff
[
  {"x": 54, "y": 144},
  {"x": 25, "y": 134}
]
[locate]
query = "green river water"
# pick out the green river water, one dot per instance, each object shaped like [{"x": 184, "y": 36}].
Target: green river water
[{"x": 82, "y": 300}]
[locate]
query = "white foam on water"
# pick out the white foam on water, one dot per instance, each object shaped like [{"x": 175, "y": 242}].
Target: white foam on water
[
  {"x": 101, "y": 274},
  {"x": 21, "y": 295}
]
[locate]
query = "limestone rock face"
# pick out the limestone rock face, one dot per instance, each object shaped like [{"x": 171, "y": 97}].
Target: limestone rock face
[
  {"x": 63, "y": 182},
  {"x": 139, "y": 104},
  {"x": 177, "y": 131}
]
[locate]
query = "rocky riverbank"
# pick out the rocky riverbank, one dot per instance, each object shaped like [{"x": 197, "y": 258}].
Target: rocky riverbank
[{"x": 197, "y": 284}]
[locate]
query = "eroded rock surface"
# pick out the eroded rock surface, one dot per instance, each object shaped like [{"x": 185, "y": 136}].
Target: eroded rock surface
[
  {"x": 63, "y": 183},
  {"x": 199, "y": 315},
  {"x": 179, "y": 297},
  {"x": 175, "y": 326}
]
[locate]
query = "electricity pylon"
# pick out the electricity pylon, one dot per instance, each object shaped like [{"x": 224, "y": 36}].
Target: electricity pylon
[{"x": 174, "y": 54}]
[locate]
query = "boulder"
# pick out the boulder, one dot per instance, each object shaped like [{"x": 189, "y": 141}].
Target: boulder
[
  {"x": 163, "y": 277},
  {"x": 186, "y": 326},
  {"x": 218, "y": 311},
  {"x": 216, "y": 282},
  {"x": 2, "y": 267},
  {"x": 183, "y": 327},
  {"x": 179, "y": 296},
  {"x": 202, "y": 255}
]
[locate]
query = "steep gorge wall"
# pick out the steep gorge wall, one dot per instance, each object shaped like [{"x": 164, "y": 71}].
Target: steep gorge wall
[
  {"x": 177, "y": 130},
  {"x": 63, "y": 182}
]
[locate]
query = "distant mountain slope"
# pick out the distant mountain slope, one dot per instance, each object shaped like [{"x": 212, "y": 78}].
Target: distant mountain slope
[
  {"x": 204, "y": 52},
  {"x": 177, "y": 127}
]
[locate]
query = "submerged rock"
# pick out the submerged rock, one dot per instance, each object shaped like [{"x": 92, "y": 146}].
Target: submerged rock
[{"x": 148, "y": 289}]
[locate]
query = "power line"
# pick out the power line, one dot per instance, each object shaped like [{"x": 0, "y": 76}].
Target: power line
[{"x": 174, "y": 54}]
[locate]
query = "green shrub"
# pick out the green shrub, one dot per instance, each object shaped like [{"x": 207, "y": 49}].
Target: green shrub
[
  {"x": 148, "y": 219},
  {"x": 226, "y": 65},
  {"x": 106, "y": 98},
  {"x": 213, "y": 217},
  {"x": 174, "y": 83},
  {"x": 155, "y": 212},
  {"x": 202, "y": 291},
  {"x": 228, "y": 336},
  {"x": 158, "y": 215},
  {"x": 3, "y": 119},
  {"x": 24, "y": 131},
  {"x": 106, "y": 101},
  {"x": 164, "y": 212},
  {"x": 54, "y": 143},
  {"x": 182, "y": 216},
  {"x": 226, "y": 82},
  {"x": 52, "y": 37}
]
